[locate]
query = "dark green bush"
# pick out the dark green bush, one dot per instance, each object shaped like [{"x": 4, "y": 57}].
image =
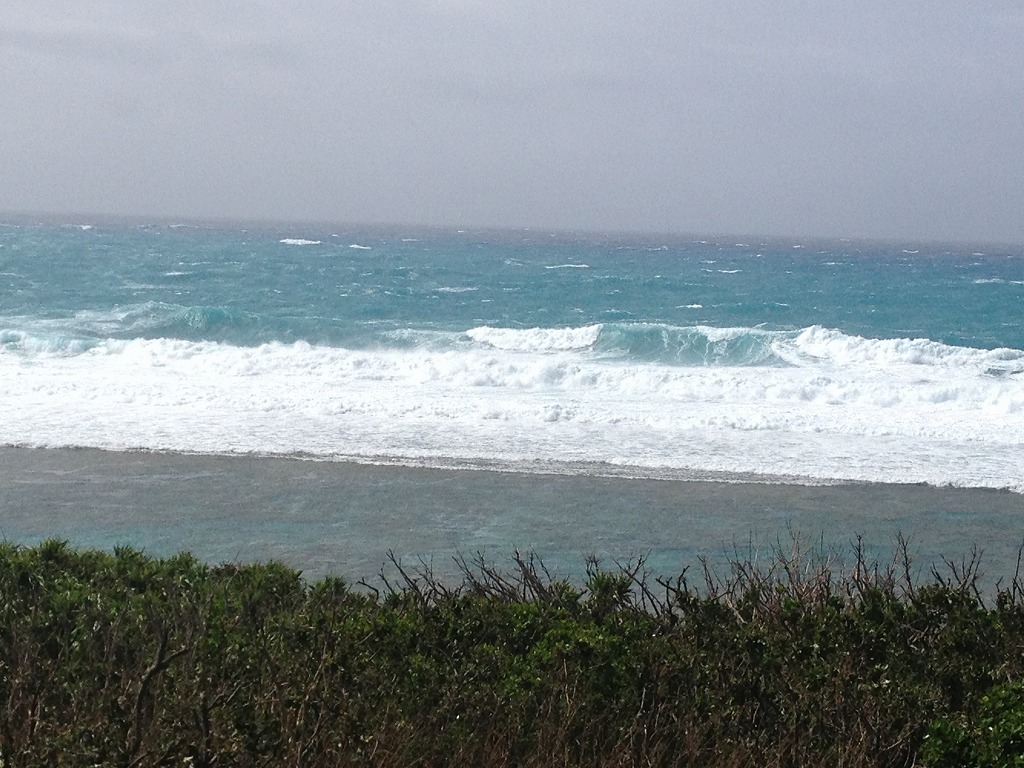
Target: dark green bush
[
  {"x": 122, "y": 659},
  {"x": 993, "y": 738}
]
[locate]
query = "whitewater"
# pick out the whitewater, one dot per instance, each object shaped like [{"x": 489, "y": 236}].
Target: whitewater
[{"x": 769, "y": 360}]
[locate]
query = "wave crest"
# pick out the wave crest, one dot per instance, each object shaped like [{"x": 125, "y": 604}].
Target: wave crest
[
  {"x": 536, "y": 339},
  {"x": 150, "y": 320},
  {"x": 643, "y": 342},
  {"x": 826, "y": 345},
  {"x": 700, "y": 345}
]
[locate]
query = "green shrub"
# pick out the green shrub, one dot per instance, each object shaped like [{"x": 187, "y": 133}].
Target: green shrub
[
  {"x": 123, "y": 659},
  {"x": 994, "y": 738}
]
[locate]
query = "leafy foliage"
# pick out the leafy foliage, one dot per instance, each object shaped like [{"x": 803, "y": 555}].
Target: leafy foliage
[{"x": 123, "y": 659}]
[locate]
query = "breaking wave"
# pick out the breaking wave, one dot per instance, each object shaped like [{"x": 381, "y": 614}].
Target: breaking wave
[{"x": 727, "y": 347}]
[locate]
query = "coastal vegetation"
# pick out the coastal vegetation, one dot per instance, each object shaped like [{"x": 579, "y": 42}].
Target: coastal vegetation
[{"x": 803, "y": 659}]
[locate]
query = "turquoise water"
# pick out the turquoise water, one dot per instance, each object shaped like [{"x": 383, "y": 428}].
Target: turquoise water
[
  {"x": 253, "y": 286},
  {"x": 649, "y": 356},
  {"x": 343, "y": 518}
]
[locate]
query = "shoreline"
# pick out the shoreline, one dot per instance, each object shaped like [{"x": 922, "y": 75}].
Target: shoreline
[
  {"x": 343, "y": 517},
  {"x": 525, "y": 467}
]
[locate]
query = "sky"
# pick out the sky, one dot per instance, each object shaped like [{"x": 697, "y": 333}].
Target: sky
[{"x": 808, "y": 118}]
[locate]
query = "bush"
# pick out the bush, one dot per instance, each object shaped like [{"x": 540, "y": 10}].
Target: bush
[
  {"x": 995, "y": 738},
  {"x": 122, "y": 659}
]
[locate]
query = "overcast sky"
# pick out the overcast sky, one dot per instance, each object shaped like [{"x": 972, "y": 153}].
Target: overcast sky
[{"x": 870, "y": 118}]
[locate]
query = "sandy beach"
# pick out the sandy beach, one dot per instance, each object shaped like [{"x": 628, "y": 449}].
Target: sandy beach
[{"x": 337, "y": 517}]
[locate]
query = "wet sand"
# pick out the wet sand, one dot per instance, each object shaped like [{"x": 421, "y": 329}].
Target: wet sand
[{"x": 343, "y": 518}]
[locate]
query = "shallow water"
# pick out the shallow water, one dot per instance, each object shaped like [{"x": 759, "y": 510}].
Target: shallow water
[{"x": 343, "y": 518}]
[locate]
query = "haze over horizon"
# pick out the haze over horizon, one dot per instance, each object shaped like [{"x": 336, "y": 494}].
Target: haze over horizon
[{"x": 875, "y": 121}]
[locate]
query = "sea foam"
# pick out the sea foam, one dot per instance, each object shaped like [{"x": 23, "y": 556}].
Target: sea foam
[{"x": 858, "y": 409}]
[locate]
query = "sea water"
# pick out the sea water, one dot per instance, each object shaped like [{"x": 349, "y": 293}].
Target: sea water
[
  {"x": 645, "y": 356},
  {"x": 237, "y": 376}
]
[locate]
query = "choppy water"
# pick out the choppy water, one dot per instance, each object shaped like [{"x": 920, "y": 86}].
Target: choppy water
[{"x": 651, "y": 357}]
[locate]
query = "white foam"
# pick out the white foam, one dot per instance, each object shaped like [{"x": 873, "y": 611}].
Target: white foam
[
  {"x": 726, "y": 334},
  {"x": 359, "y": 247},
  {"x": 298, "y": 241},
  {"x": 847, "y": 408},
  {"x": 567, "y": 266},
  {"x": 832, "y": 347},
  {"x": 536, "y": 339}
]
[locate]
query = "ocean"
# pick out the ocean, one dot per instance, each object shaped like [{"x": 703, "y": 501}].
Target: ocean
[{"x": 638, "y": 359}]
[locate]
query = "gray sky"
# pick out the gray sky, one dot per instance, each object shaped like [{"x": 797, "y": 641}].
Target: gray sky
[{"x": 872, "y": 118}]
